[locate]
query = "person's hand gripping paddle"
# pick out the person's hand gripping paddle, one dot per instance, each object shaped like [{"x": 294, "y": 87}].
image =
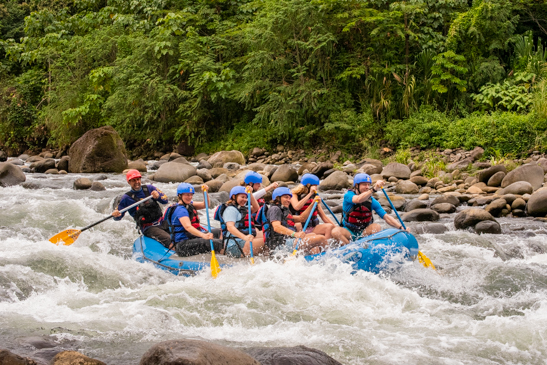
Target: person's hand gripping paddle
[
  {"x": 249, "y": 190},
  {"x": 215, "y": 267}
]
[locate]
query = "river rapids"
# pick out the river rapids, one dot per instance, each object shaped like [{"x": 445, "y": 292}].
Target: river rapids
[{"x": 489, "y": 306}]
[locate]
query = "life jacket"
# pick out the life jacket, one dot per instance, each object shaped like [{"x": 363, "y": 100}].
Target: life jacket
[
  {"x": 273, "y": 239},
  {"x": 314, "y": 220},
  {"x": 359, "y": 217},
  {"x": 178, "y": 227},
  {"x": 147, "y": 213},
  {"x": 242, "y": 225},
  {"x": 255, "y": 216}
]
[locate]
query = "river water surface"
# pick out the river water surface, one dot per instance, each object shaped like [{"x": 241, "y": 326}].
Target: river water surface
[{"x": 489, "y": 306}]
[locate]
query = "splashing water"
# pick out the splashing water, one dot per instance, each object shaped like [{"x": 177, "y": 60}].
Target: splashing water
[{"x": 488, "y": 306}]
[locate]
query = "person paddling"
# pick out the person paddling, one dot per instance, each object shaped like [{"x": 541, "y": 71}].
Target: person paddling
[
  {"x": 254, "y": 180},
  {"x": 234, "y": 219},
  {"x": 188, "y": 237},
  {"x": 358, "y": 206},
  {"x": 281, "y": 234},
  {"x": 148, "y": 215},
  {"x": 303, "y": 196}
]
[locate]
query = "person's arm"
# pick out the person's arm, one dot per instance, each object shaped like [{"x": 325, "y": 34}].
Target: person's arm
[
  {"x": 237, "y": 233},
  {"x": 201, "y": 205},
  {"x": 254, "y": 204},
  {"x": 260, "y": 193},
  {"x": 185, "y": 221},
  {"x": 367, "y": 194},
  {"x": 157, "y": 195},
  {"x": 297, "y": 205},
  {"x": 271, "y": 187},
  {"x": 304, "y": 216},
  {"x": 279, "y": 228},
  {"x": 121, "y": 205}
]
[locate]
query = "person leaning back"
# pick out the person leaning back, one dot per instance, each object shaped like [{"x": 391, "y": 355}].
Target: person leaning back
[{"x": 148, "y": 215}]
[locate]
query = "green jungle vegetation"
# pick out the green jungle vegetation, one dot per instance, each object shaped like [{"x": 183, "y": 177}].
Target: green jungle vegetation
[{"x": 236, "y": 74}]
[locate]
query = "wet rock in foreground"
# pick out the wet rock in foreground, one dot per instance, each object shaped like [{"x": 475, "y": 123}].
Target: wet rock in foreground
[{"x": 298, "y": 355}]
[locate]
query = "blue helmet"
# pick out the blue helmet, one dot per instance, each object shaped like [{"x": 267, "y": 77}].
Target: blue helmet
[
  {"x": 361, "y": 178},
  {"x": 252, "y": 178},
  {"x": 281, "y": 191},
  {"x": 237, "y": 190},
  {"x": 310, "y": 179},
  {"x": 184, "y": 188}
]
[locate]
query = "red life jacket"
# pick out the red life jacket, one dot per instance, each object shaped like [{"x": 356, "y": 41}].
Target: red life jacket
[
  {"x": 359, "y": 217},
  {"x": 314, "y": 221}
]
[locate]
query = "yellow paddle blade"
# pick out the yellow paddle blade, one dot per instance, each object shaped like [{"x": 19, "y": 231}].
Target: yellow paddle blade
[
  {"x": 215, "y": 267},
  {"x": 425, "y": 260},
  {"x": 252, "y": 260},
  {"x": 294, "y": 252},
  {"x": 68, "y": 236}
]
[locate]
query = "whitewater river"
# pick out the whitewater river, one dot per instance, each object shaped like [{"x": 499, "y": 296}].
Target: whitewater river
[{"x": 488, "y": 307}]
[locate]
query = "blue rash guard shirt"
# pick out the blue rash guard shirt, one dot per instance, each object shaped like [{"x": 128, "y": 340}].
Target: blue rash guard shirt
[
  {"x": 348, "y": 204},
  {"x": 127, "y": 201},
  {"x": 180, "y": 212}
]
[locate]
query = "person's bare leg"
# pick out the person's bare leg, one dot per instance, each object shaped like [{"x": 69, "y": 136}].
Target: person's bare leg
[
  {"x": 258, "y": 247},
  {"x": 373, "y": 228},
  {"x": 312, "y": 241},
  {"x": 342, "y": 235},
  {"x": 324, "y": 229}
]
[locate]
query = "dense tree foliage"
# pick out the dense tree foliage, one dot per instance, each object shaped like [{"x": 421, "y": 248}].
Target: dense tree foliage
[{"x": 245, "y": 73}]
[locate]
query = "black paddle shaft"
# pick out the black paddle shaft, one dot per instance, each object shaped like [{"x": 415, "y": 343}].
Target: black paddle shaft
[{"x": 121, "y": 211}]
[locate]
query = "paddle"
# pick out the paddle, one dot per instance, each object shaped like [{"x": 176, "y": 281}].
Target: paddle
[
  {"x": 331, "y": 212},
  {"x": 215, "y": 267},
  {"x": 249, "y": 189},
  {"x": 316, "y": 200},
  {"x": 421, "y": 257},
  {"x": 69, "y": 236}
]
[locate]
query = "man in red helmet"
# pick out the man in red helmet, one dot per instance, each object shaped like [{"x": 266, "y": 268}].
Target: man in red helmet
[{"x": 148, "y": 215}]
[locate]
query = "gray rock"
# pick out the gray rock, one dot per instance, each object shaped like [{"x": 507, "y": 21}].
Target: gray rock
[
  {"x": 432, "y": 182},
  {"x": 460, "y": 165},
  {"x": 419, "y": 180},
  {"x": 338, "y": 180},
  {"x": 256, "y": 167},
  {"x": 24, "y": 157},
  {"x": 174, "y": 172},
  {"x": 542, "y": 162},
  {"x": 431, "y": 228},
  {"x": 194, "y": 180},
  {"x": 496, "y": 207},
  {"x": 537, "y": 204},
  {"x": 398, "y": 201},
  {"x": 224, "y": 178},
  {"x": 470, "y": 217},
  {"x": 370, "y": 169},
  {"x": 33, "y": 159},
  {"x": 421, "y": 215},
  {"x": 16, "y": 161},
  {"x": 509, "y": 198},
  {"x": 371, "y": 161},
  {"x": 530, "y": 173},
  {"x": 491, "y": 227},
  {"x": 486, "y": 174},
  {"x": 232, "y": 166},
  {"x": 476, "y": 153},
  {"x": 214, "y": 185},
  {"x": 174, "y": 156},
  {"x": 82, "y": 183},
  {"x": 450, "y": 199},
  {"x": 97, "y": 186},
  {"x": 156, "y": 164},
  {"x": 320, "y": 169},
  {"x": 518, "y": 188},
  {"x": 10, "y": 175},
  {"x": 518, "y": 203},
  {"x": 228, "y": 185},
  {"x": 518, "y": 212},
  {"x": 63, "y": 163},
  {"x": 43, "y": 165},
  {"x": 52, "y": 172},
  {"x": 285, "y": 173},
  {"x": 217, "y": 171},
  {"x": 194, "y": 352},
  {"x": 406, "y": 187},
  {"x": 9, "y": 358},
  {"x": 496, "y": 179},
  {"x": 98, "y": 150},
  {"x": 416, "y": 204},
  {"x": 298, "y": 355},
  {"x": 137, "y": 165},
  {"x": 179, "y": 160},
  {"x": 222, "y": 157},
  {"x": 395, "y": 169},
  {"x": 444, "y": 208},
  {"x": 203, "y": 164},
  {"x": 73, "y": 357},
  {"x": 204, "y": 174}
]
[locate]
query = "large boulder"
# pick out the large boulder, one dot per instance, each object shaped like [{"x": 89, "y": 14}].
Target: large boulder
[
  {"x": 537, "y": 204},
  {"x": 320, "y": 169},
  {"x": 338, "y": 180},
  {"x": 222, "y": 157},
  {"x": 486, "y": 174},
  {"x": 204, "y": 174},
  {"x": 174, "y": 172},
  {"x": 406, "y": 187},
  {"x": 542, "y": 162},
  {"x": 395, "y": 169},
  {"x": 298, "y": 355},
  {"x": 214, "y": 185},
  {"x": 416, "y": 204},
  {"x": 194, "y": 352},
  {"x": 98, "y": 150},
  {"x": 431, "y": 228},
  {"x": 82, "y": 183},
  {"x": 72, "y": 358},
  {"x": 10, "y": 174},
  {"x": 443, "y": 208},
  {"x": 9, "y": 358},
  {"x": 228, "y": 185},
  {"x": 421, "y": 215},
  {"x": 217, "y": 171},
  {"x": 488, "y": 227},
  {"x": 496, "y": 179},
  {"x": 470, "y": 217},
  {"x": 496, "y": 207},
  {"x": 397, "y": 200},
  {"x": 460, "y": 165},
  {"x": 419, "y": 180},
  {"x": 517, "y": 188},
  {"x": 285, "y": 173},
  {"x": 138, "y": 165},
  {"x": 530, "y": 173}
]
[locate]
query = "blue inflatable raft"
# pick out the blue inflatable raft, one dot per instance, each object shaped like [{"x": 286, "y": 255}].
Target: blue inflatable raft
[{"x": 374, "y": 253}]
